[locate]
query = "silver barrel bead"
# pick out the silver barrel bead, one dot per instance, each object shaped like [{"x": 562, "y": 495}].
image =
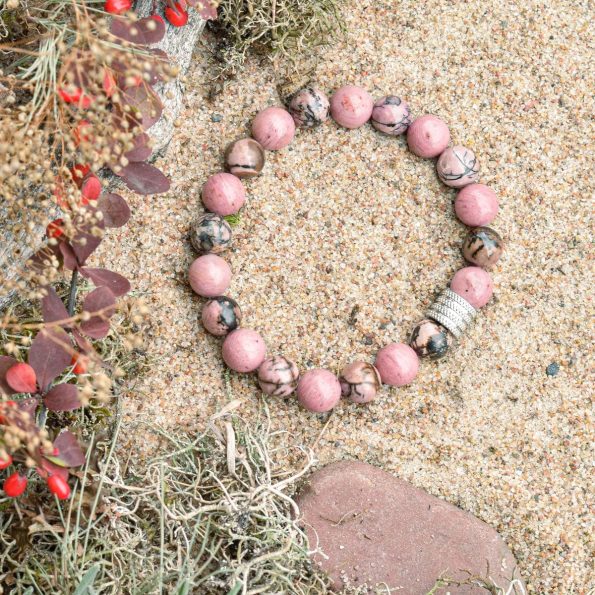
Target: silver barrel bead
[{"x": 452, "y": 312}]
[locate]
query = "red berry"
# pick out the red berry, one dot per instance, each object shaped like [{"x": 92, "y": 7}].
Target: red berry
[
  {"x": 22, "y": 378},
  {"x": 117, "y": 6},
  {"x": 5, "y": 462},
  {"x": 58, "y": 486},
  {"x": 55, "y": 228},
  {"x": 15, "y": 485},
  {"x": 90, "y": 188},
  {"x": 177, "y": 16},
  {"x": 80, "y": 363},
  {"x": 158, "y": 18}
]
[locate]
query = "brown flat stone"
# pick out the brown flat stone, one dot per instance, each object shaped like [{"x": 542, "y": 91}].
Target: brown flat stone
[{"x": 374, "y": 529}]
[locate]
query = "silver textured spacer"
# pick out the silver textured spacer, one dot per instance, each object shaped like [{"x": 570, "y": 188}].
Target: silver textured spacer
[{"x": 452, "y": 311}]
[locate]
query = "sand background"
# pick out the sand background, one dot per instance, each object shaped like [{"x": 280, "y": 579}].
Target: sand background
[{"x": 345, "y": 220}]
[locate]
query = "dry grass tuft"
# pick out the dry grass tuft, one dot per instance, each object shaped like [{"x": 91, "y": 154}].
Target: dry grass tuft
[
  {"x": 285, "y": 29},
  {"x": 213, "y": 514}
]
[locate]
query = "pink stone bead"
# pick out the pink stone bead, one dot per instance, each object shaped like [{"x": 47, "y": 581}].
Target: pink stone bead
[
  {"x": 244, "y": 350},
  {"x": 223, "y": 194},
  {"x": 209, "y": 275},
  {"x": 391, "y": 115},
  {"x": 360, "y": 382},
  {"x": 428, "y": 136},
  {"x": 458, "y": 166},
  {"x": 278, "y": 376},
  {"x": 397, "y": 364},
  {"x": 474, "y": 285},
  {"x": 273, "y": 128},
  {"x": 476, "y": 205},
  {"x": 318, "y": 390},
  {"x": 351, "y": 106}
]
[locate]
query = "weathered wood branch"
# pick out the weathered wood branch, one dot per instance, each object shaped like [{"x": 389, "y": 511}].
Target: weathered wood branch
[{"x": 179, "y": 44}]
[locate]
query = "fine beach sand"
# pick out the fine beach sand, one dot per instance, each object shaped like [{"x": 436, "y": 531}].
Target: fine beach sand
[{"x": 347, "y": 237}]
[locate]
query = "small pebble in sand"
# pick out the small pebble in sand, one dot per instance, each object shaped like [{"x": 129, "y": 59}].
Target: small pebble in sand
[
  {"x": 474, "y": 285},
  {"x": 458, "y": 166},
  {"x": 221, "y": 315},
  {"x": 482, "y": 247},
  {"x": 391, "y": 115},
  {"x": 318, "y": 390},
  {"x": 429, "y": 339},
  {"x": 244, "y": 350},
  {"x": 397, "y": 364},
  {"x": 428, "y": 136},
  {"x": 223, "y": 194},
  {"x": 351, "y": 106},
  {"x": 244, "y": 158},
  {"x": 360, "y": 382},
  {"x": 210, "y": 233},
  {"x": 209, "y": 275},
  {"x": 273, "y": 128},
  {"x": 476, "y": 205},
  {"x": 553, "y": 369},
  {"x": 216, "y": 118},
  {"x": 278, "y": 376},
  {"x": 309, "y": 107}
]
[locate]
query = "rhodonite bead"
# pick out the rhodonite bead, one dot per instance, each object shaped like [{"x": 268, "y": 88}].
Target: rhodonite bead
[
  {"x": 360, "y": 382},
  {"x": 309, "y": 107},
  {"x": 210, "y": 233},
  {"x": 223, "y": 194},
  {"x": 273, "y": 128},
  {"x": 318, "y": 390},
  {"x": 278, "y": 376},
  {"x": 391, "y": 115},
  {"x": 483, "y": 247},
  {"x": 244, "y": 158},
  {"x": 221, "y": 315},
  {"x": 428, "y": 136},
  {"x": 476, "y": 205},
  {"x": 429, "y": 339},
  {"x": 351, "y": 106},
  {"x": 397, "y": 364},
  {"x": 473, "y": 284},
  {"x": 244, "y": 350},
  {"x": 458, "y": 166},
  {"x": 209, "y": 275}
]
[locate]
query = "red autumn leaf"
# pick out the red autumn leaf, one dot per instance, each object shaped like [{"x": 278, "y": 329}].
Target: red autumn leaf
[
  {"x": 160, "y": 60},
  {"x": 115, "y": 209},
  {"x": 84, "y": 345},
  {"x": 117, "y": 283},
  {"x": 49, "y": 355},
  {"x": 152, "y": 29},
  {"x": 145, "y": 105},
  {"x": 69, "y": 450},
  {"x": 144, "y": 178},
  {"x": 70, "y": 261},
  {"x": 52, "y": 307},
  {"x": 89, "y": 235},
  {"x": 42, "y": 258},
  {"x": 141, "y": 150},
  {"x": 62, "y": 397},
  {"x": 54, "y": 469},
  {"x": 6, "y": 362},
  {"x": 101, "y": 304}
]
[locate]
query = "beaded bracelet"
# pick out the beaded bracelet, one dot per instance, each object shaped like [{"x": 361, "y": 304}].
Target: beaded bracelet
[{"x": 396, "y": 364}]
